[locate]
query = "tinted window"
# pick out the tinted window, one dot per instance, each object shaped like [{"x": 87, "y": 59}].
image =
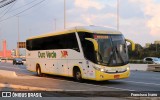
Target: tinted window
[
  {"x": 88, "y": 47},
  {"x": 148, "y": 59},
  {"x": 66, "y": 41},
  {"x": 29, "y": 44},
  {"x": 18, "y": 59}
]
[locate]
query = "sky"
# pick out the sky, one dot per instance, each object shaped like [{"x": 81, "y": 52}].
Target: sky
[{"x": 139, "y": 20}]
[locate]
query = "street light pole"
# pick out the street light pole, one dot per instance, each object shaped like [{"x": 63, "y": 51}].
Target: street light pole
[
  {"x": 55, "y": 24},
  {"x": 64, "y": 14},
  {"x": 156, "y": 47},
  {"x": 118, "y": 15},
  {"x": 18, "y": 39}
]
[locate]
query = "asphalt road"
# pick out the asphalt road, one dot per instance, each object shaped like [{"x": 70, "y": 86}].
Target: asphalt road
[{"x": 138, "y": 81}]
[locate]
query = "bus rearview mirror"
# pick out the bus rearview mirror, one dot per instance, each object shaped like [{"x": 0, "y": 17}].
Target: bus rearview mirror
[
  {"x": 94, "y": 43},
  {"x": 132, "y": 43}
]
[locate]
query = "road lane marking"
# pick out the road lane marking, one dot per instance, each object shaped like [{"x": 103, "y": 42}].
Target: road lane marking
[
  {"x": 97, "y": 85},
  {"x": 24, "y": 87},
  {"x": 141, "y": 83},
  {"x": 27, "y": 87},
  {"x": 156, "y": 78},
  {"x": 87, "y": 83},
  {"x": 109, "y": 87}
]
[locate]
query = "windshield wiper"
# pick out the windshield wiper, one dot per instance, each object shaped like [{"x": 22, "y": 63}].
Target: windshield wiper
[
  {"x": 111, "y": 56},
  {"x": 119, "y": 55},
  {"x": 100, "y": 59}
]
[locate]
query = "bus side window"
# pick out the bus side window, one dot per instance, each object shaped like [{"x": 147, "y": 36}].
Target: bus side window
[
  {"x": 87, "y": 46},
  {"x": 88, "y": 49},
  {"x": 29, "y": 44},
  {"x": 72, "y": 42},
  {"x": 66, "y": 41}
]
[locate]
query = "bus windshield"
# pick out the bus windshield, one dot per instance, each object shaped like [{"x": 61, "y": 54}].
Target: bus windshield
[{"x": 112, "y": 50}]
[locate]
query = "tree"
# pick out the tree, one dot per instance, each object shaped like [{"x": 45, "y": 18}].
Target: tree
[
  {"x": 152, "y": 51},
  {"x": 137, "y": 54}
]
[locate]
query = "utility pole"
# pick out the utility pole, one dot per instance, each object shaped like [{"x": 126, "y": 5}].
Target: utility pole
[
  {"x": 156, "y": 47},
  {"x": 118, "y": 15},
  {"x": 18, "y": 39},
  {"x": 55, "y": 24},
  {"x": 64, "y": 14}
]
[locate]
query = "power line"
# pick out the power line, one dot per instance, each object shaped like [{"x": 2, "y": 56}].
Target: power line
[
  {"x": 2, "y": 1},
  {"x": 6, "y": 3},
  {"x": 22, "y": 11},
  {"x": 23, "y": 6},
  {"x": 8, "y": 10},
  {"x": 5, "y": 9}
]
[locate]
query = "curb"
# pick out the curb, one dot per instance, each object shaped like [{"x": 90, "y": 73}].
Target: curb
[
  {"x": 6, "y": 73},
  {"x": 27, "y": 87},
  {"x": 71, "y": 93},
  {"x": 138, "y": 67},
  {"x": 33, "y": 88}
]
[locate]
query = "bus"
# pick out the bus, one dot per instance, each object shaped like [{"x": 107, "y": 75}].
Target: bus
[{"x": 82, "y": 52}]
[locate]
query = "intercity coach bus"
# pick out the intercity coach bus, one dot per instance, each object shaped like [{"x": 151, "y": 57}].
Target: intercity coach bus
[{"x": 84, "y": 52}]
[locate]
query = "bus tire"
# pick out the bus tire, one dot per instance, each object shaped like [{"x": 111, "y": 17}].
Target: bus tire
[
  {"x": 77, "y": 75},
  {"x": 38, "y": 70}
]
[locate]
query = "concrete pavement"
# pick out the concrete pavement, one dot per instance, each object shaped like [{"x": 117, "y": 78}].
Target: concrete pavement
[
  {"x": 138, "y": 81},
  {"x": 139, "y": 67},
  {"x": 6, "y": 73}
]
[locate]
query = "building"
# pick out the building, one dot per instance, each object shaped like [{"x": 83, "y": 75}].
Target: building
[
  {"x": 147, "y": 45},
  {"x": 4, "y": 53},
  {"x": 156, "y": 42}
]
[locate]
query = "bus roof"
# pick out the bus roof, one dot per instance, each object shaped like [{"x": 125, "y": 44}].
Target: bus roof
[{"x": 90, "y": 29}]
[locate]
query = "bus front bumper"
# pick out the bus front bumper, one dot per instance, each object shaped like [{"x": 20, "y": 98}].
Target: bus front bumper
[{"x": 102, "y": 76}]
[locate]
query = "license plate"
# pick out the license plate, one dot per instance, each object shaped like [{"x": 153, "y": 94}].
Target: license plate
[{"x": 116, "y": 76}]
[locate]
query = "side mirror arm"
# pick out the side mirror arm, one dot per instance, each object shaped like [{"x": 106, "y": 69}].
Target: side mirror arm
[
  {"x": 132, "y": 43},
  {"x": 94, "y": 43}
]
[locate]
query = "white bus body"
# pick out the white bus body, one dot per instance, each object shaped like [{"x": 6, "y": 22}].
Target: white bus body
[{"x": 69, "y": 57}]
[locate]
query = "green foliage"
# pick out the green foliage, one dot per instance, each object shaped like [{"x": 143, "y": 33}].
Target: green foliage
[{"x": 140, "y": 52}]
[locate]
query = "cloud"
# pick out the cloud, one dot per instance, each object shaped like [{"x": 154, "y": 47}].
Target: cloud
[
  {"x": 86, "y": 4},
  {"x": 151, "y": 11},
  {"x": 138, "y": 18},
  {"x": 99, "y": 19},
  {"x": 91, "y": 12},
  {"x": 73, "y": 24}
]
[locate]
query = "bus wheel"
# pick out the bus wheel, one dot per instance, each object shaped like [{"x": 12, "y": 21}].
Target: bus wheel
[
  {"x": 39, "y": 71},
  {"x": 78, "y": 75}
]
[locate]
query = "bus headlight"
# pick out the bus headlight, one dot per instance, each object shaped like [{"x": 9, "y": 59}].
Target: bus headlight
[
  {"x": 102, "y": 70},
  {"x": 99, "y": 68},
  {"x": 96, "y": 67},
  {"x": 128, "y": 68}
]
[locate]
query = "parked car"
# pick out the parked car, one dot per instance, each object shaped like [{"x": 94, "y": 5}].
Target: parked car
[
  {"x": 152, "y": 60},
  {"x": 17, "y": 61}
]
